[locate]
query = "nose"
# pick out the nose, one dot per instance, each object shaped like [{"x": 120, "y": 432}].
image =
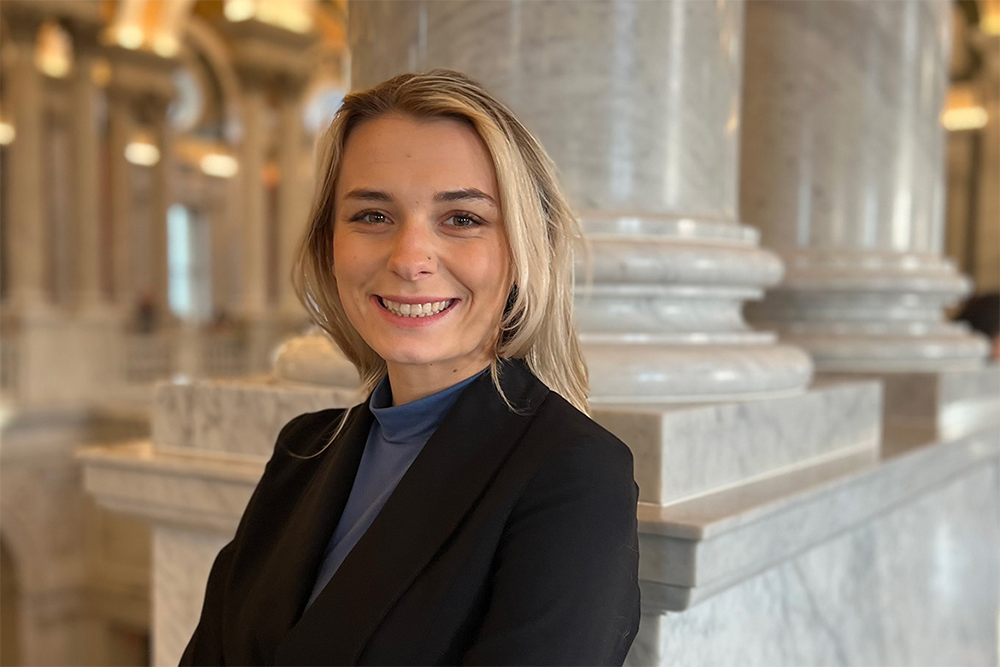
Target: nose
[{"x": 413, "y": 254}]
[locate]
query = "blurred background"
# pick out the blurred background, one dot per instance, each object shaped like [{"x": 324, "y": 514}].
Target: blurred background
[{"x": 156, "y": 173}]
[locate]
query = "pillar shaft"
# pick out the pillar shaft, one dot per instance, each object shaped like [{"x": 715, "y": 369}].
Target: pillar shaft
[
  {"x": 86, "y": 177},
  {"x": 160, "y": 203},
  {"x": 843, "y": 171},
  {"x": 28, "y": 229},
  {"x": 120, "y": 123},
  {"x": 291, "y": 195},
  {"x": 254, "y": 234},
  {"x": 638, "y": 105}
]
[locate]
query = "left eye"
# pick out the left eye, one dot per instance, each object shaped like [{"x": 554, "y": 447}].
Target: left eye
[{"x": 462, "y": 220}]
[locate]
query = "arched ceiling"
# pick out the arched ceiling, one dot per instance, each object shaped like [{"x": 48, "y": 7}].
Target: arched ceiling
[{"x": 159, "y": 24}]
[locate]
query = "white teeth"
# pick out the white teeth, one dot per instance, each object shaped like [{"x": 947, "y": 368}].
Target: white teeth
[{"x": 416, "y": 309}]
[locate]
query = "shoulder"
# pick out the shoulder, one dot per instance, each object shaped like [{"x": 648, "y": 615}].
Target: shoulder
[
  {"x": 305, "y": 434},
  {"x": 579, "y": 440},
  {"x": 584, "y": 461}
]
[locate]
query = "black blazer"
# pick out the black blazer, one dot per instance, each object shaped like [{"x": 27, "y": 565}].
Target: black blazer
[{"x": 510, "y": 540}]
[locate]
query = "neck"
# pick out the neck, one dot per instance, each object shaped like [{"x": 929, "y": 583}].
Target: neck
[{"x": 414, "y": 381}]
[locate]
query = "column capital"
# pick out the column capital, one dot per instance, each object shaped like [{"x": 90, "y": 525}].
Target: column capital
[
  {"x": 23, "y": 19},
  {"x": 138, "y": 73},
  {"x": 268, "y": 55}
]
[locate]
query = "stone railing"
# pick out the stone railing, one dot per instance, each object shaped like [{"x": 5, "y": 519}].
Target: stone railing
[
  {"x": 223, "y": 355},
  {"x": 152, "y": 357},
  {"x": 147, "y": 358}
]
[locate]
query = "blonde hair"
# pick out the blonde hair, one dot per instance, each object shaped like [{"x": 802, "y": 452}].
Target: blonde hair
[{"x": 537, "y": 325}]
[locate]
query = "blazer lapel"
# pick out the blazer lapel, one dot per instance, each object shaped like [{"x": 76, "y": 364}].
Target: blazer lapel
[
  {"x": 437, "y": 491},
  {"x": 289, "y": 572}
]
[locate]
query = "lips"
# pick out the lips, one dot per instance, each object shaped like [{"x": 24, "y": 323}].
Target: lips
[{"x": 402, "y": 314}]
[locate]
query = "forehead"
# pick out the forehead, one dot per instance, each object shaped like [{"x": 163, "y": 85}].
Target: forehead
[{"x": 396, "y": 152}]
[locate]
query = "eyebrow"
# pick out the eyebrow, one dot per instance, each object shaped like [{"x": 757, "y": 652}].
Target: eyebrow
[{"x": 465, "y": 194}]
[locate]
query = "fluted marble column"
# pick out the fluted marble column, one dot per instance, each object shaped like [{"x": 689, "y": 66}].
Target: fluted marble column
[
  {"x": 120, "y": 123},
  {"x": 160, "y": 203},
  {"x": 842, "y": 170},
  {"x": 291, "y": 193},
  {"x": 638, "y": 104},
  {"x": 253, "y": 299},
  {"x": 28, "y": 227},
  {"x": 86, "y": 176}
]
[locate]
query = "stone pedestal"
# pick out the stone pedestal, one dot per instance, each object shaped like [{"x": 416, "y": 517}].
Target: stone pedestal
[
  {"x": 212, "y": 439},
  {"x": 80, "y": 574},
  {"x": 888, "y": 564}
]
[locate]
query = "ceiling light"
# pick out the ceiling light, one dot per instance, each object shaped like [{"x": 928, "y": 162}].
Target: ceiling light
[
  {"x": 217, "y": 164},
  {"x": 142, "y": 154},
  {"x": 964, "y": 118}
]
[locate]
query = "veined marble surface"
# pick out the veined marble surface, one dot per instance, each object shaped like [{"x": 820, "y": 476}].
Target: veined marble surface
[
  {"x": 638, "y": 104},
  {"x": 692, "y": 550},
  {"x": 842, "y": 170},
  {"x": 915, "y": 585},
  {"x": 688, "y": 450},
  {"x": 239, "y": 416},
  {"x": 946, "y": 404},
  {"x": 739, "y": 561}
]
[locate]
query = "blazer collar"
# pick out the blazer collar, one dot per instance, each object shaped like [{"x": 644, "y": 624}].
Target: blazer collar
[{"x": 438, "y": 490}]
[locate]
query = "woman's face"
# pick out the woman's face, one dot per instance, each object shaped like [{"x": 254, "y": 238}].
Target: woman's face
[{"x": 420, "y": 252}]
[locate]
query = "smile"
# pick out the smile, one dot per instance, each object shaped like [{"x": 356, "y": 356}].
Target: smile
[{"x": 415, "y": 310}]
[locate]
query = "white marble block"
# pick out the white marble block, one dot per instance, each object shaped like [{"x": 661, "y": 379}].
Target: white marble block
[{"x": 682, "y": 450}]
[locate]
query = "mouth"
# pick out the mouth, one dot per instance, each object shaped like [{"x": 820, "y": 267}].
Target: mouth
[{"x": 415, "y": 314}]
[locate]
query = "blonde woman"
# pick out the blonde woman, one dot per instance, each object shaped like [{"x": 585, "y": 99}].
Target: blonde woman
[{"x": 469, "y": 511}]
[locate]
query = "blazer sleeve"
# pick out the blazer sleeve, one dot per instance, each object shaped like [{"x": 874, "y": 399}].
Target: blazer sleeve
[
  {"x": 565, "y": 583},
  {"x": 205, "y": 646}
]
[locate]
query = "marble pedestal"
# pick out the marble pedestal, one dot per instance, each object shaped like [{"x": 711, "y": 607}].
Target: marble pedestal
[
  {"x": 67, "y": 360},
  {"x": 78, "y": 574},
  {"x": 924, "y": 406},
  {"x": 888, "y": 563},
  {"x": 212, "y": 439}
]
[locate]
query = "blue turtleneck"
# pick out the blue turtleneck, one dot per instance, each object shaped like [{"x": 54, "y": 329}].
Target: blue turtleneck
[{"x": 397, "y": 435}]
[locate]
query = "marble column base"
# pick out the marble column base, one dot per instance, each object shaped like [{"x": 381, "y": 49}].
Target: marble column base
[
  {"x": 890, "y": 563},
  {"x": 659, "y": 310},
  {"x": 64, "y": 360},
  {"x": 70, "y": 562},
  {"x": 684, "y": 451},
  {"x": 213, "y": 438},
  {"x": 867, "y": 311}
]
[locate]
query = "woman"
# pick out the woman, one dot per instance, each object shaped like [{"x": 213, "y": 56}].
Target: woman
[{"x": 469, "y": 511}]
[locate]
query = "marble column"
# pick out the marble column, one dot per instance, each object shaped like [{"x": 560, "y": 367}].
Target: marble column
[
  {"x": 638, "y": 104},
  {"x": 161, "y": 200},
  {"x": 253, "y": 300},
  {"x": 987, "y": 235},
  {"x": 120, "y": 123},
  {"x": 87, "y": 186},
  {"x": 842, "y": 170},
  {"x": 291, "y": 195},
  {"x": 28, "y": 230}
]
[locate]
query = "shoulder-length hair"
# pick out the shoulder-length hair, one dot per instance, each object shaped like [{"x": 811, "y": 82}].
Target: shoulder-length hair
[{"x": 537, "y": 324}]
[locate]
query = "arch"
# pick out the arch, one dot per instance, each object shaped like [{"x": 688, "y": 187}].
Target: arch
[
  {"x": 201, "y": 37},
  {"x": 10, "y": 608}
]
